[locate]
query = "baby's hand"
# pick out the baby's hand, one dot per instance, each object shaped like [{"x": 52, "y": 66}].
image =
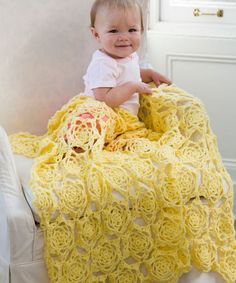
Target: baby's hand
[
  {"x": 143, "y": 88},
  {"x": 159, "y": 78}
]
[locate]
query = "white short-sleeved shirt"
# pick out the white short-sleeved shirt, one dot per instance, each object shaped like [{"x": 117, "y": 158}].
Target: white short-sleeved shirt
[{"x": 105, "y": 71}]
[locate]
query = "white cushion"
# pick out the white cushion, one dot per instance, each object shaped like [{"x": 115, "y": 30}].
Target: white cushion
[
  {"x": 195, "y": 276},
  {"x": 18, "y": 232},
  {"x": 23, "y": 167}
]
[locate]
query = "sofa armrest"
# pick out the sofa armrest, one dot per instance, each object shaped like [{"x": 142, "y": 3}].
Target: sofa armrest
[{"x": 16, "y": 220}]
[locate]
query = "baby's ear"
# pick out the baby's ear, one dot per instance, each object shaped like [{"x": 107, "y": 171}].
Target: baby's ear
[{"x": 94, "y": 33}]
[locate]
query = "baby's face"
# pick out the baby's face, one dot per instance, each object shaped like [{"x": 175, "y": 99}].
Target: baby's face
[{"x": 118, "y": 31}]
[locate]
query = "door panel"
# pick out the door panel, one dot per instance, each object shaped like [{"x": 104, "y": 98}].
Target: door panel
[{"x": 215, "y": 11}]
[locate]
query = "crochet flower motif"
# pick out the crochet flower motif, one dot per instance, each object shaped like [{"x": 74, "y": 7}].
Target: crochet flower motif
[
  {"x": 89, "y": 230},
  {"x": 60, "y": 237},
  {"x": 116, "y": 218},
  {"x": 105, "y": 256},
  {"x": 138, "y": 243},
  {"x": 204, "y": 254},
  {"x": 46, "y": 204},
  {"x": 196, "y": 220},
  {"x": 169, "y": 229},
  {"x": 163, "y": 267},
  {"x": 73, "y": 198},
  {"x": 76, "y": 268},
  {"x": 125, "y": 273},
  {"x": 227, "y": 262}
]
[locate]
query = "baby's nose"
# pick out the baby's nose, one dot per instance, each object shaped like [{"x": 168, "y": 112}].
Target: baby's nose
[{"x": 123, "y": 36}]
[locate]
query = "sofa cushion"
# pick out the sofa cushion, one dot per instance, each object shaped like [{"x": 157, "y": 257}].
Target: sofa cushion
[{"x": 23, "y": 167}]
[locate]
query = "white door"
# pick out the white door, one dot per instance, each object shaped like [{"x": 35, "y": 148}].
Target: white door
[
  {"x": 198, "y": 53},
  {"x": 201, "y": 11}
]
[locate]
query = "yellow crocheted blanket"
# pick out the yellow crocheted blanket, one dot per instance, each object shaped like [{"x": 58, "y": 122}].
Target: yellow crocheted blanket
[{"x": 123, "y": 199}]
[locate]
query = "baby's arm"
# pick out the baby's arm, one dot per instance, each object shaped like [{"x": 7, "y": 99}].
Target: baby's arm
[
  {"x": 149, "y": 75},
  {"x": 115, "y": 96}
]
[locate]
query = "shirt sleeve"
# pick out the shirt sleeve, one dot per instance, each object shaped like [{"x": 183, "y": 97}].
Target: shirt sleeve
[{"x": 102, "y": 73}]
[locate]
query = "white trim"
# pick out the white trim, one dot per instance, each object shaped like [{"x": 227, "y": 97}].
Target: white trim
[
  {"x": 192, "y": 29},
  {"x": 154, "y": 13},
  {"x": 187, "y": 3},
  {"x": 170, "y": 58},
  {"x": 230, "y": 165}
]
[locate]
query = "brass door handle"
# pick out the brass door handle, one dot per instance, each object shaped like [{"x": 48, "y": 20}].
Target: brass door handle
[{"x": 219, "y": 13}]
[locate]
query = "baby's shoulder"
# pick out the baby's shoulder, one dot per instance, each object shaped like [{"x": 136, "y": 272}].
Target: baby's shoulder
[
  {"x": 98, "y": 54},
  {"x": 100, "y": 58}
]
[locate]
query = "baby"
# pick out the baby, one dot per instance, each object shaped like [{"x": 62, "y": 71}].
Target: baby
[{"x": 114, "y": 76}]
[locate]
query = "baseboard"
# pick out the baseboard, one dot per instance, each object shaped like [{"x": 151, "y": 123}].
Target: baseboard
[{"x": 230, "y": 165}]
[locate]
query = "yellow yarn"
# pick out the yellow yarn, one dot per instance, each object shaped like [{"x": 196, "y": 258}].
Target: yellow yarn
[{"x": 123, "y": 199}]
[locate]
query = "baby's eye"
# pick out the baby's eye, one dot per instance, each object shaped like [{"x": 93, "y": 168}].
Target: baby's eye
[
  {"x": 132, "y": 30},
  {"x": 113, "y": 30}
]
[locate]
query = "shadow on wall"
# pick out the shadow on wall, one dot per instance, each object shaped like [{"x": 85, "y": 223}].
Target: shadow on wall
[{"x": 45, "y": 52}]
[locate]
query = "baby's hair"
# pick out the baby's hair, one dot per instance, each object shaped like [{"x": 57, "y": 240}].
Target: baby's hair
[{"x": 124, "y": 4}]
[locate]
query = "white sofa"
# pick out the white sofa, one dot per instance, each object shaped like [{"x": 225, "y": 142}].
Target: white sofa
[{"x": 21, "y": 241}]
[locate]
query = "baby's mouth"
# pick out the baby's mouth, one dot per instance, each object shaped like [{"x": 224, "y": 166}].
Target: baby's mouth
[{"x": 123, "y": 45}]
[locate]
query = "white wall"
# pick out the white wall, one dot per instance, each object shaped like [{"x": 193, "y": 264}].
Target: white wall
[{"x": 44, "y": 52}]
